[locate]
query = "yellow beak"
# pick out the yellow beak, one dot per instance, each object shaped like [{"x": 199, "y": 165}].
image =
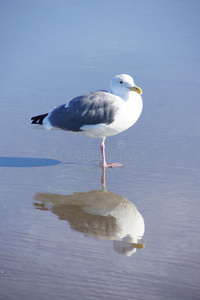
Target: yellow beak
[{"x": 136, "y": 89}]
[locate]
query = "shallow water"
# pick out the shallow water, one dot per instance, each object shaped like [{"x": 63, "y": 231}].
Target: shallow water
[{"x": 62, "y": 236}]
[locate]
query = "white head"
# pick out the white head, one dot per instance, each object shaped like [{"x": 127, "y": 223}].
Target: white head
[{"x": 123, "y": 84}]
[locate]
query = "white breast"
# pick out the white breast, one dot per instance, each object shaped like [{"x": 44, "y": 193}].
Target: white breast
[{"x": 128, "y": 113}]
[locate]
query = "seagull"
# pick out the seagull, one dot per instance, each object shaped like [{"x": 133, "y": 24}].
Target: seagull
[{"x": 98, "y": 114}]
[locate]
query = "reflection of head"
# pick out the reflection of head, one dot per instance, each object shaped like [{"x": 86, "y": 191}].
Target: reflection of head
[{"x": 126, "y": 246}]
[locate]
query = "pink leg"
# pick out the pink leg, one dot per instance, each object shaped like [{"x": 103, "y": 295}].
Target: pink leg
[
  {"x": 104, "y": 164},
  {"x": 102, "y": 145}
]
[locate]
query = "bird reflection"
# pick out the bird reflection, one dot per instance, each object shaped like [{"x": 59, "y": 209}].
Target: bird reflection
[{"x": 98, "y": 214}]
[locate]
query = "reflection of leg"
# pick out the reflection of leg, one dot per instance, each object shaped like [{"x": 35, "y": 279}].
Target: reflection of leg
[{"x": 103, "y": 181}]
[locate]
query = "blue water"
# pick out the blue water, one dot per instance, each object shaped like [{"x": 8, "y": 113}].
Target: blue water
[{"x": 61, "y": 236}]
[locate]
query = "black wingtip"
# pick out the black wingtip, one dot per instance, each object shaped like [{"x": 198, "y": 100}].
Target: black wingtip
[{"x": 38, "y": 119}]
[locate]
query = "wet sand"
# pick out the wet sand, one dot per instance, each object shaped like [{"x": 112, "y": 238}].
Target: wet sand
[{"x": 62, "y": 235}]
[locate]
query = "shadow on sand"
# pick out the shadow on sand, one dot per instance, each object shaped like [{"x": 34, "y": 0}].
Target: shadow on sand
[{"x": 27, "y": 162}]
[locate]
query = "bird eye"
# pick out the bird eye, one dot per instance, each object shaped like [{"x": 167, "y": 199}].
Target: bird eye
[{"x": 121, "y": 81}]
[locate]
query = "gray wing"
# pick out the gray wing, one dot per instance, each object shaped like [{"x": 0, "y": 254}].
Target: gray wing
[{"x": 94, "y": 108}]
